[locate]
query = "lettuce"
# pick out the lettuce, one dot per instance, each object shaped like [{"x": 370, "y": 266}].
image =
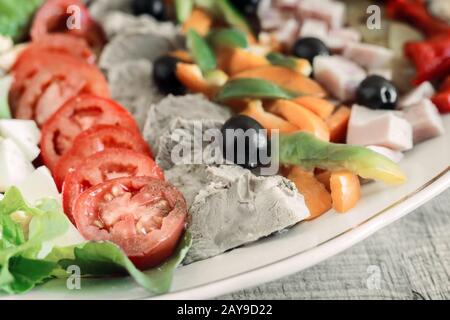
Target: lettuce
[
  {"x": 15, "y": 17},
  {"x": 25, "y": 230}
]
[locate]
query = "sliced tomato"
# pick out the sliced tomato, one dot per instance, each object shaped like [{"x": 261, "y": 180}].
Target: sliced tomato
[
  {"x": 46, "y": 80},
  {"x": 62, "y": 43},
  {"x": 76, "y": 115},
  {"x": 103, "y": 166},
  {"x": 67, "y": 16},
  {"x": 144, "y": 216},
  {"x": 94, "y": 140}
]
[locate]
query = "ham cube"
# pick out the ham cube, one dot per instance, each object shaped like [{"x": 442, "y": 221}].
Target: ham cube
[
  {"x": 288, "y": 32},
  {"x": 270, "y": 18},
  {"x": 286, "y": 4},
  {"x": 424, "y": 91},
  {"x": 338, "y": 39},
  {"x": 331, "y": 12},
  {"x": 382, "y": 72},
  {"x": 425, "y": 120},
  {"x": 314, "y": 28},
  {"x": 369, "y": 55},
  {"x": 388, "y": 129},
  {"x": 341, "y": 77}
]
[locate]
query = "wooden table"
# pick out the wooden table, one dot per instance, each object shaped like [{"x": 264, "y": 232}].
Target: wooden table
[{"x": 409, "y": 259}]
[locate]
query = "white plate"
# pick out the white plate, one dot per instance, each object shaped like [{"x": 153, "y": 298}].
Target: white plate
[{"x": 309, "y": 243}]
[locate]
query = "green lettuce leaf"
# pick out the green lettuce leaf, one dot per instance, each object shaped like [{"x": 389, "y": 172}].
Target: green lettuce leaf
[
  {"x": 231, "y": 38},
  {"x": 201, "y": 52},
  {"x": 15, "y": 17}
]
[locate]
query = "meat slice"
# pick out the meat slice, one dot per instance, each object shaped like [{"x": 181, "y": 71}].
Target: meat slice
[
  {"x": 269, "y": 16},
  {"x": 329, "y": 11},
  {"x": 424, "y": 91},
  {"x": 314, "y": 28},
  {"x": 388, "y": 129},
  {"x": 368, "y": 55},
  {"x": 425, "y": 120},
  {"x": 340, "y": 76},
  {"x": 338, "y": 39}
]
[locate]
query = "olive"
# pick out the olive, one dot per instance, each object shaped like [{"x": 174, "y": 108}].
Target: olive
[
  {"x": 309, "y": 48},
  {"x": 377, "y": 92},
  {"x": 164, "y": 75},
  {"x": 246, "y": 7},
  {"x": 155, "y": 8},
  {"x": 245, "y": 142}
]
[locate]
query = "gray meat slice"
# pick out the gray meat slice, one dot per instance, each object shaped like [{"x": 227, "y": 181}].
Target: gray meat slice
[{"x": 230, "y": 206}]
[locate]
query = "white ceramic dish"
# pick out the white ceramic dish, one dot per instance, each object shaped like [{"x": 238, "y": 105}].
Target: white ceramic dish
[{"x": 428, "y": 169}]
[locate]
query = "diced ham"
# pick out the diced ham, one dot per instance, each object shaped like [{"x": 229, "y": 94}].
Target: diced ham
[
  {"x": 395, "y": 156},
  {"x": 425, "y": 120},
  {"x": 330, "y": 11},
  {"x": 270, "y": 18},
  {"x": 382, "y": 72},
  {"x": 314, "y": 28},
  {"x": 424, "y": 91},
  {"x": 379, "y": 127},
  {"x": 286, "y": 4},
  {"x": 338, "y": 39},
  {"x": 341, "y": 77},
  {"x": 369, "y": 55},
  {"x": 288, "y": 32}
]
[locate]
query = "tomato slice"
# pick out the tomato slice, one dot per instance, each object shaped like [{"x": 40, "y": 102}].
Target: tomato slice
[
  {"x": 103, "y": 166},
  {"x": 144, "y": 216},
  {"x": 62, "y": 43},
  {"x": 76, "y": 115},
  {"x": 94, "y": 140},
  {"x": 67, "y": 16},
  {"x": 46, "y": 80}
]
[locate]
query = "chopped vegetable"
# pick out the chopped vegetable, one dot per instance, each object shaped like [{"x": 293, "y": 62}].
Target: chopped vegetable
[
  {"x": 192, "y": 78},
  {"x": 232, "y": 16},
  {"x": 285, "y": 78},
  {"x": 317, "y": 198},
  {"x": 252, "y": 88},
  {"x": 201, "y": 52},
  {"x": 184, "y": 9},
  {"x": 345, "y": 190},
  {"x": 300, "y": 117},
  {"x": 5, "y": 85},
  {"x": 231, "y": 38},
  {"x": 301, "y": 66},
  {"x": 304, "y": 150},
  {"x": 237, "y": 60},
  {"x": 320, "y": 107},
  {"x": 338, "y": 123},
  {"x": 199, "y": 21}
]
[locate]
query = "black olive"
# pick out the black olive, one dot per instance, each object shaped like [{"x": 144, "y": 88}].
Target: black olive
[
  {"x": 245, "y": 142},
  {"x": 164, "y": 75},
  {"x": 155, "y": 8},
  {"x": 377, "y": 93},
  {"x": 246, "y": 7},
  {"x": 309, "y": 48}
]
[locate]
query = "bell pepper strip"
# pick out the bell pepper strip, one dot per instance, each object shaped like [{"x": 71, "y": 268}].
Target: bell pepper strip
[
  {"x": 431, "y": 57},
  {"x": 304, "y": 150},
  {"x": 442, "y": 101},
  {"x": 416, "y": 13}
]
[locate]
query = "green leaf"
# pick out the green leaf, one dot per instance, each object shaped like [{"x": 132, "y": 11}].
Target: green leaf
[
  {"x": 305, "y": 150},
  {"x": 183, "y": 9},
  {"x": 208, "y": 5},
  {"x": 232, "y": 16},
  {"x": 5, "y": 85},
  {"x": 105, "y": 258},
  {"x": 252, "y": 88},
  {"x": 278, "y": 59},
  {"x": 201, "y": 52},
  {"x": 15, "y": 17},
  {"x": 231, "y": 38}
]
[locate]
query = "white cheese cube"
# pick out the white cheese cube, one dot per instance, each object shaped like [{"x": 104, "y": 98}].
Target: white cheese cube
[
  {"x": 39, "y": 185},
  {"x": 24, "y": 133}
]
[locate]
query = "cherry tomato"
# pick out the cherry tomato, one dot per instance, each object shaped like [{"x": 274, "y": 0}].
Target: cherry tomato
[
  {"x": 79, "y": 114},
  {"x": 144, "y": 216},
  {"x": 97, "y": 139},
  {"x": 103, "y": 166},
  {"x": 67, "y": 16}
]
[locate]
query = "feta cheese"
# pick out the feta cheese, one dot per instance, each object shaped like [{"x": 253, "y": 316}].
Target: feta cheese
[
  {"x": 24, "y": 133},
  {"x": 14, "y": 167},
  {"x": 230, "y": 207},
  {"x": 39, "y": 185},
  {"x": 379, "y": 127}
]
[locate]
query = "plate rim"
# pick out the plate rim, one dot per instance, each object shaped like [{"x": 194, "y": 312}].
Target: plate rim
[{"x": 303, "y": 260}]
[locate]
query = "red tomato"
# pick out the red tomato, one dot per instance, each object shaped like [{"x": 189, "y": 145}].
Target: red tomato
[
  {"x": 144, "y": 216},
  {"x": 62, "y": 43},
  {"x": 103, "y": 166},
  {"x": 67, "y": 16},
  {"x": 97, "y": 139},
  {"x": 79, "y": 114},
  {"x": 46, "y": 80}
]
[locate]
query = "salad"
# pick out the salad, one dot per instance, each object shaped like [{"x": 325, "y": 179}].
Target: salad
[{"x": 140, "y": 135}]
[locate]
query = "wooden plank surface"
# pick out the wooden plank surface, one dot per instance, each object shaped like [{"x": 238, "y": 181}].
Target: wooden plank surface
[{"x": 409, "y": 259}]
